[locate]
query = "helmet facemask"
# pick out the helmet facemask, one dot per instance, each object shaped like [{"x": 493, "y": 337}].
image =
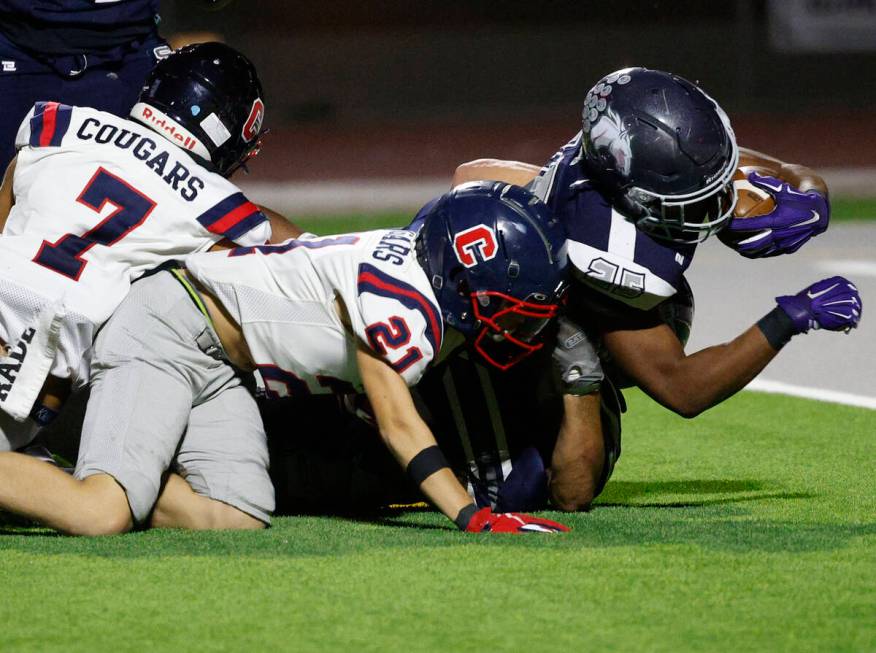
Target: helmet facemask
[
  {"x": 689, "y": 218},
  {"x": 509, "y": 329},
  {"x": 247, "y": 156}
]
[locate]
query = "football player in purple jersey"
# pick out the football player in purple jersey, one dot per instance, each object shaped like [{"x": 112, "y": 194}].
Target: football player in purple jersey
[{"x": 649, "y": 176}]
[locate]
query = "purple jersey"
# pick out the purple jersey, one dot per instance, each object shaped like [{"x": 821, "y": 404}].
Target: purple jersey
[{"x": 608, "y": 252}]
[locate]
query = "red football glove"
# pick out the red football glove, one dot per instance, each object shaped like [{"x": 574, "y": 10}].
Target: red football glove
[{"x": 486, "y": 521}]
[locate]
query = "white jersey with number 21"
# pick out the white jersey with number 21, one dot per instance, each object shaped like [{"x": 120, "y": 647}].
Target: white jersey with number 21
[{"x": 286, "y": 298}]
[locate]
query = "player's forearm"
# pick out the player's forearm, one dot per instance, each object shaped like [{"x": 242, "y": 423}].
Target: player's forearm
[
  {"x": 801, "y": 177},
  {"x": 408, "y": 437},
  {"x": 511, "y": 172},
  {"x": 578, "y": 455},
  {"x": 703, "y": 379}
]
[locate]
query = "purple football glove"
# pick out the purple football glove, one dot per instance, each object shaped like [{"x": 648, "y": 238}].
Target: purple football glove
[
  {"x": 833, "y": 304},
  {"x": 797, "y": 217}
]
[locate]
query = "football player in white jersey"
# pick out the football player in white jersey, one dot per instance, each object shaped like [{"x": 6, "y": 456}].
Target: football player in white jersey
[
  {"x": 363, "y": 311},
  {"x": 92, "y": 201}
]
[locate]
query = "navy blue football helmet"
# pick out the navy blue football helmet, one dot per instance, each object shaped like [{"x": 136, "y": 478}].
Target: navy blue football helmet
[
  {"x": 662, "y": 151},
  {"x": 206, "y": 98},
  {"x": 496, "y": 259}
]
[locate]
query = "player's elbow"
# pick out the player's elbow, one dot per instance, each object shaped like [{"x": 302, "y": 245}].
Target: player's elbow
[
  {"x": 681, "y": 397},
  {"x": 686, "y": 406}
]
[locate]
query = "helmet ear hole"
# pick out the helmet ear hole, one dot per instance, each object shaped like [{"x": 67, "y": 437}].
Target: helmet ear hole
[{"x": 463, "y": 289}]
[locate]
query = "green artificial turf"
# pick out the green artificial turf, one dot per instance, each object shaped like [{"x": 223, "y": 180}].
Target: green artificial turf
[
  {"x": 749, "y": 528},
  {"x": 334, "y": 224},
  {"x": 845, "y": 209}
]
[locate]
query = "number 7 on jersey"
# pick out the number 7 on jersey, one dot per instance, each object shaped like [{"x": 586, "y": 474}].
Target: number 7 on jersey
[{"x": 64, "y": 256}]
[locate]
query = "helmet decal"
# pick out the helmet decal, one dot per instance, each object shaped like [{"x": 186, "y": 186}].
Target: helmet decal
[
  {"x": 170, "y": 129},
  {"x": 595, "y": 102},
  {"x": 608, "y": 131},
  {"x": 215, "y": 129},
  {"x": 475, "y": 245},
  {"x": 253, "y": 124}
]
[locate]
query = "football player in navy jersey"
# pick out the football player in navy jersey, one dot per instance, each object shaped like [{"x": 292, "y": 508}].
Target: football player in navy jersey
[
  {"x": 92, "y": 53},
  {"x": 649, "y": 176},
  {"x": 85, "y": 53}
]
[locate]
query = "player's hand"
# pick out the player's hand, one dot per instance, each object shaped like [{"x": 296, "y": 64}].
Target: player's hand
[
  {"x": 487, "y": 521},
  {"x": 833, "y": 304},
  {"x": 798, "y": 216}
]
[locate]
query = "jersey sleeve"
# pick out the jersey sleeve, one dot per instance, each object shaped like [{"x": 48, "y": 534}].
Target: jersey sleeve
[
  {"x": 401, "y": 324},
  {"x": 236, "y": 218},
  {"x": 550, "y": 176},
  {"x": 45, "y": 125}
]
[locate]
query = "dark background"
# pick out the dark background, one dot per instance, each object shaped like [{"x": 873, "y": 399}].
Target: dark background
[{"x": 461, "y": 76}]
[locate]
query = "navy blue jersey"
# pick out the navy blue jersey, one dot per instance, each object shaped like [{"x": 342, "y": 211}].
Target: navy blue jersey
[
  {"x": 607, "y": 251},
  {"x": 483, "y": 419},
  {"x": 77, "y": 26}
]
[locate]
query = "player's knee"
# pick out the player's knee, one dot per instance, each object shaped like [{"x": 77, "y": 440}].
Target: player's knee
[
  {"x": 102, "y": 523},
  {"x": 102, "y": 509}
]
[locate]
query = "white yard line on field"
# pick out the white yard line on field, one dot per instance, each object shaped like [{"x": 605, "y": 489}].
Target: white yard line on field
[
  {"x": 819, "y": 394},
  {"x": 852, "y": 268},
  {"x": 346, "y": 196}
]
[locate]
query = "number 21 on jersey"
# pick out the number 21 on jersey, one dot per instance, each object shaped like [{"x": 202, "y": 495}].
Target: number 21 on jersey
[
  {"x": 64, "y": 256},
  {"x": 394, "y": 335}
]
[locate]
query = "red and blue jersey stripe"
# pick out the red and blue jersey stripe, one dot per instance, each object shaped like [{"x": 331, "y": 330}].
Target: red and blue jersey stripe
[
  {"x": 50, "y": 122},
  {"x": 232, "y": 217},
  {"x": 375, "y": 281}
]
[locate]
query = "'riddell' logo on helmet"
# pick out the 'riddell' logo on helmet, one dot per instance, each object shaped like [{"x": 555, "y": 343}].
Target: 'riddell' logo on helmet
[
  {"x": 253, "y": 124},
  {"x": 163, "y": 124},
  {"x": 475, "y": 245}
]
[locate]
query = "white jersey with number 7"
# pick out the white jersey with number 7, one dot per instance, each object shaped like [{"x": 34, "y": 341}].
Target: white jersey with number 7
[{"x": 99, "y": 200}]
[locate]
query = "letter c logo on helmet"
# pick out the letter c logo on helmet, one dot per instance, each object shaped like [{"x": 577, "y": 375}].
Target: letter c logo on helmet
[
  {"x": 475, "y": 245},
  {"x": 253, "y": 124}
]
